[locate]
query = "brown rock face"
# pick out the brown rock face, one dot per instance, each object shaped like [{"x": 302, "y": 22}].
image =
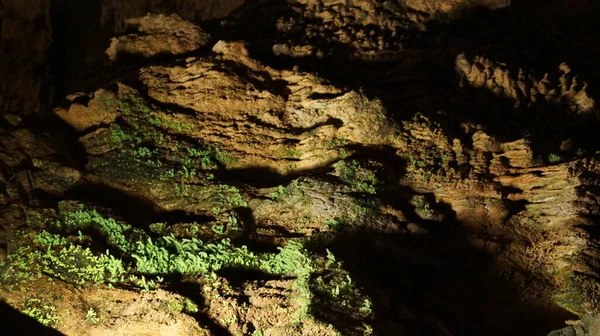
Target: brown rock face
[
  {"x": 116, "y": 13},
  {"x": 525, "y": 90},
  {"x": 29, "y": 70},
  {"x": 99, "y": 110},
  {"x": 447, "y": 205},
  {"x": 158, "y": 34},
  {"x": 437, "y": 6}
]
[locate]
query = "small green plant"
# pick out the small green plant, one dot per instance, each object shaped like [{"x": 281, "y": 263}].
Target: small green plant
[
  {"x": 203, "y": 156},
  {"x": 367, "y": 307},
  {"x": 359, "y": 178},
  {"x": 158, "y": 228},
  {"x": 221, "y": 156},
  {"x": 177, "y": 126},
  {"x": 335, "y": 286},
  {"x": 20, "y": 269},
  {"x": 42, "y": 311},
  {"x": 233, "y": 222},
  {"x": 154, "y": 120},
  {"x": 338, "y": 141},
  {"x": 218, "y": 229},
  {"x": 175, "y": 305},
  {"x": 368, "y": 329},
  {"x": 189, "y": 306},
  {"x": 80, "y": 266},
  {"x": 207, "y": 157},
  {"x": 192, "y": 229},
  {"x": 83, "y": 219},
  {"x": 170, "y": 173},
  {"x": 292, "y": 153},
  {"x": 92, "y": 317},
  {"x": 146, "y": 285},
  {"x": 361, "y": 210},
  {"x": 118, "y": 135},
  {"x": 229, "y": 197},
  {"x": 258, "y": 332},
  {"x": 230, "y": 320},
  {"x": 50, "y": 240},
  {"x": 335, "y": 223},
  {"x": 187, "y": 173},
  {"x": 554, "y": 158},
  {"x": 142, "y": 153},
  {"x": 182, "y": 189},
  {"x": 423, "y": 208},
  {"x": 332, "y": 262},
  {"x": 280, "y": 192}
]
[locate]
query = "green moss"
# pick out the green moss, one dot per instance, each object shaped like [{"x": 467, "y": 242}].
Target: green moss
[
  {"x": 554, "y": 158},
  {"x": 77, "y": 265},
  {"x": 118, "y": 135},
  {"x": 20, "y": 269},
  {"x": 292, "y": 153},
  {"x": 335, "y": 223},
  {"x": 175, "y": 305},
  {"x": 335, "y": 289},
  {"x": 228, "y": 197},
  {"x": 42, "y": 311},
  {"x": 189, "y": 306},
  {"x": 148, "y": 260},
  {"x": 279, "y": 193},
  {"x": 85, "y": 218},
  {"x": 338, "y": 141},
  {"x": 358, "y": 177},
  {"x": 158, "y": 228}
]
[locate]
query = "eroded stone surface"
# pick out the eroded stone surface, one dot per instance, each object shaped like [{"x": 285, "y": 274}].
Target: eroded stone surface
[{"x": 157, "y": 35}]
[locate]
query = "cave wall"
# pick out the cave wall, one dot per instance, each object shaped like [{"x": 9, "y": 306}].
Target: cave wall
[
  {"x": 25, "y": 44},
  {"x": 56, "y": 47}
]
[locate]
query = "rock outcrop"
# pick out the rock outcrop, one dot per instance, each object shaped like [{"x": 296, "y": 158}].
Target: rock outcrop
[
  {"x": 158, "y": 35},
  {"x": 442, "y": 220},
  {"x": 563, "y": 89}
]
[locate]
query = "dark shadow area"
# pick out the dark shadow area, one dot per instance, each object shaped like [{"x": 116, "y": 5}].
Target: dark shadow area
[
  {"x": 590, "y": 190},
  {"x": 238, "y": 277},
  {"x": 135, "y": 210},
  {"x": 431, "y": 284},
  {"x": 15, "y": 323},
  {"x": 266, "y": 177},
  {"x": 435, "y": 282},
  {"x": 532, "y": 34},
  {"x": 193, "y": 291},
  {"x": 78, "y": 44},
  {"x": 58, "y": 136},
  {"x": 545, "y": 125}
]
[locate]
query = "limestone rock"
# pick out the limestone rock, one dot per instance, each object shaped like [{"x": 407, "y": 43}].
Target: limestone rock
[
  {"x": 116, "y": 13},
  {"x": 158, "y": 35},
  {"x": 526, "y": 90},
  {"x": 100, "y": 109}
]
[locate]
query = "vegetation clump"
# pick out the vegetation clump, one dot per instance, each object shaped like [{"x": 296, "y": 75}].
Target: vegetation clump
[
  {"x": 358, "y": 177},
  {"x": 135, "y": 258},
  {"x": 41, "y": 311}
]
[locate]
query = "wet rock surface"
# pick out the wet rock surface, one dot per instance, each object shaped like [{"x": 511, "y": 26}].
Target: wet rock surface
[{"x": 438, "y": 184}]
